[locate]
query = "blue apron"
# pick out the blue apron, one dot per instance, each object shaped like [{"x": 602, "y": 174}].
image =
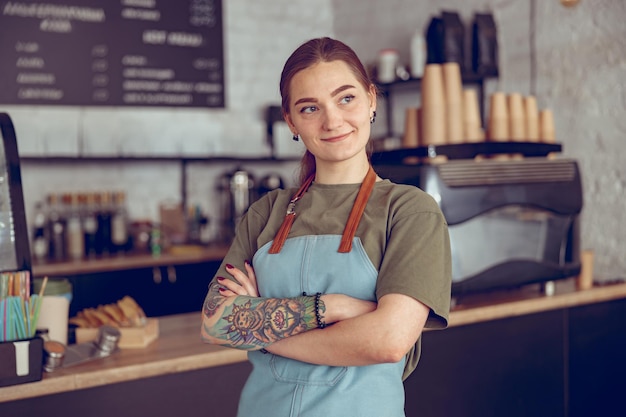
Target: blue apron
[{"x": 281, "y": 387}]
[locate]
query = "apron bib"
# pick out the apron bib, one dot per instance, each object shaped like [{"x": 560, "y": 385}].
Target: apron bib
[{"x": 282, "y": 387}]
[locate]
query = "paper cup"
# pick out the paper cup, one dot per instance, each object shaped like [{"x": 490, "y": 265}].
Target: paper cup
[
  {"x": 433, "y": 106},
  {"x": 411, "y": 128},
  {"x": 546, "y": 126},
  {"x": 517, "y": 119},
  {"x": 453, "y": 89},
  {"x": 532, "y": 119},
  {"x": 472, "y": 125},
  {"x": 498, "y": 129}
]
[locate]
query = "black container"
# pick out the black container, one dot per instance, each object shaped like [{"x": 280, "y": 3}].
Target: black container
[
  {"x": 21, "y": 361},
  {"x": 445, "y": 37},
  {"x": 484, "y": 45}
]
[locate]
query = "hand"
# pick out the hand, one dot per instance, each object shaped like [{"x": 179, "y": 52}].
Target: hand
[
  {"x": 341, "y": 307},
  {"x": 244, "y": 284}
]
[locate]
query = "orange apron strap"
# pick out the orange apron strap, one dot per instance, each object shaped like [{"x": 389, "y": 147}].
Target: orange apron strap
[
  {"x": 357, "y": 211},
  {"x": 353, "y": 220},
  {"x": 285, "y": 227}
]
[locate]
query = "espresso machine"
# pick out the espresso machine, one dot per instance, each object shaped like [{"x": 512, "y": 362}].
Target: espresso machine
[{"x": 512, "y": 220}]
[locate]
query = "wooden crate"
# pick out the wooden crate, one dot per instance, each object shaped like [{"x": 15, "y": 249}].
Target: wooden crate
[{"x": 131, "y": 337}]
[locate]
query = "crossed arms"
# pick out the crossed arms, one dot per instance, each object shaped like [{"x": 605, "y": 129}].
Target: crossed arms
[{"x": 362, "y": 332}]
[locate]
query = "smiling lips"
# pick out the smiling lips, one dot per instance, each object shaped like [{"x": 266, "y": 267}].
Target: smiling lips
[{"x": 337, "y": 138}]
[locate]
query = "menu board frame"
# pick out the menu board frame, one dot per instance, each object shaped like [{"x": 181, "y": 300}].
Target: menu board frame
[{"x": 147, "y": 53}]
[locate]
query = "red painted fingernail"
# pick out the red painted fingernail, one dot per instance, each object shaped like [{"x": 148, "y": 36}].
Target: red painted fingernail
[
  {"x": 220, "y": 279},
  {"x": 247, "y": 262},
  {"x": 229, "y": 266}
]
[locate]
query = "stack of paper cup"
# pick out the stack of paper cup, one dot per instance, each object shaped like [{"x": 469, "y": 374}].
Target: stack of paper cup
[
  {"x": 433, "y": 106},
  {"x": 517, "y": 119},
  {"x": 453, "y": 89},
  {"x": 472, "y": 126},
  {"x": 546, "y": 126},
  {"x": 411, "y": 128},
  {"x": 498, "y": 129},
  {"x": 532, "y": 119}
]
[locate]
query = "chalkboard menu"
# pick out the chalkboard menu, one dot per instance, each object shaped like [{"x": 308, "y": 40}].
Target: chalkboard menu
[{"x": 112, "y": 53}]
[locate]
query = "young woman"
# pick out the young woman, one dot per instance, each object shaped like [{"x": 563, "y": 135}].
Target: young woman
[{"x": 329, "y": 286}]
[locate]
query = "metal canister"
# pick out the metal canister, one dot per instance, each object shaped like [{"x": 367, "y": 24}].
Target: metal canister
[
  {"x": 54, "y": 353},
  {"x": 237, "y": 191},
  {"x": 108, "y": 337},
  {"x": 269, "y": 182}
]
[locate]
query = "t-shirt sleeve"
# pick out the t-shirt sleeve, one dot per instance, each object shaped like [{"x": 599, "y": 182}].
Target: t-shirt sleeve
[
  {"x": 417, "y": 258},
  {"x": 244, "y": 245}
]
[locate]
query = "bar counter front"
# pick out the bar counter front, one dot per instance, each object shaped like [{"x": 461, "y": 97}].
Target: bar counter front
[{"x": 545, "y": 354}]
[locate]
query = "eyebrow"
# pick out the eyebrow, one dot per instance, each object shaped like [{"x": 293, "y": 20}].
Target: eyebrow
[{"x": 333, "y": 94}]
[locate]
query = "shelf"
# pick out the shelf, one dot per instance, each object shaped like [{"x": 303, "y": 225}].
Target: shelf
[
  {"x": 146, "y": 158},
  {"x": 183, "y": 161},
  {"x": 469, "y": 78},
  {"x": 467, "y": 151},
  {"x": 126, "y": 262}
]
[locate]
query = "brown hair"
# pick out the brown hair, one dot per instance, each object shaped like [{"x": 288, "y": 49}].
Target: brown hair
[{"x": 306, "y": 55}]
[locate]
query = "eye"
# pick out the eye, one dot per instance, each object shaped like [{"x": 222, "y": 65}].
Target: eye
[
  {"x": 308, "y": 109},
  {"x": 347, "y": 99}
]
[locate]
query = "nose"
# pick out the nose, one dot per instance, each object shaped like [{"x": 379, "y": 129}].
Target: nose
[{"x": 333, "y": 119}]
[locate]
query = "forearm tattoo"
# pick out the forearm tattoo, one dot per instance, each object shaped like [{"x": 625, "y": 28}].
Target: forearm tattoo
[
  {"x": 212, "y": 301},
  {"x": 252, "y": 322}
]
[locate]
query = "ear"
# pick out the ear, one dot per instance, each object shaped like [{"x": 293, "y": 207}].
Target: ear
[
  {"x": 373, "y": 97},
  {"x": 287, "y": 118}
]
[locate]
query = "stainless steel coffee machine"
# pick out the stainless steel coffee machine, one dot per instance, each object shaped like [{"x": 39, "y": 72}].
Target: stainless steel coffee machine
[{"x": 511, "y": 221}]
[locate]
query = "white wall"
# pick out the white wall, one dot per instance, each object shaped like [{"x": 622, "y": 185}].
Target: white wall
[
  {"x": 580, "y": 56},
  {"x": 580, "y": 61}
]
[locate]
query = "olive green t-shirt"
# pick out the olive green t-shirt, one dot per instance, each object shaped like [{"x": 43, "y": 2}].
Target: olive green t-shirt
[{"x": 403, "y": 231}]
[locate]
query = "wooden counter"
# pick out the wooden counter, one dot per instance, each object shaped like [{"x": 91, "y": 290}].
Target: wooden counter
[{"x": 180, "y": 349}]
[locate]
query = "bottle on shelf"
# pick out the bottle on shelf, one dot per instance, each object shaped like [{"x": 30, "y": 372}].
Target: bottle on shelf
[
  {"x": 418, "y": 54},
  {"x": 103, "y": 235},
  {"x": 40, "y": 239},
  {"x": 75, "y": 235},
  {"x": 56, "y": 229},
  {"x": 90, "y": 224},
  {"x": 120, "y": 236}
]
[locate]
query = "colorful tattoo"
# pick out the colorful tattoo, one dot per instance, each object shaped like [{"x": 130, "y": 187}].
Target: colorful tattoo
[
  {"x": 250, "y": 323},
  {"x": 212, "y": 301}
]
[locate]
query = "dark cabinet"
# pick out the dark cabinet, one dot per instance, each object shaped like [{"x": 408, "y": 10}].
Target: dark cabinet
[
  {"x": 567, "y": 362},
  {"x": 160, "y": 290},
  {"x": 509, "y": 367},
  {"x": 597, "y": 357},
  {"x": 211, "y": 392}
]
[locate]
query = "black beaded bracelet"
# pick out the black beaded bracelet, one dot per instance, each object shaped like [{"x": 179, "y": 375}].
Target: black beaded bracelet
[{"x": 318, "y": 316}]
